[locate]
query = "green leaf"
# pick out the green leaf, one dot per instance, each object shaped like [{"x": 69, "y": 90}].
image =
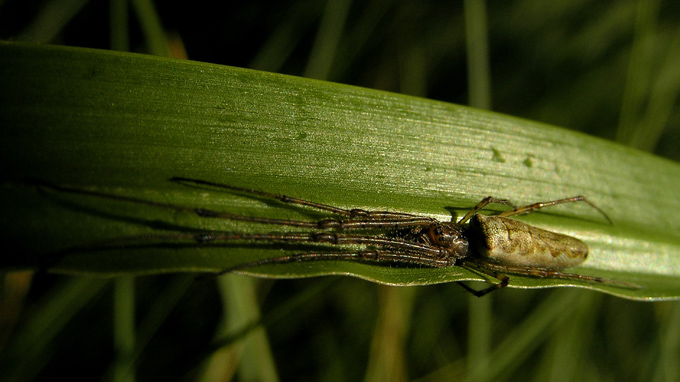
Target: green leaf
[{"x": 124, "y": 124}]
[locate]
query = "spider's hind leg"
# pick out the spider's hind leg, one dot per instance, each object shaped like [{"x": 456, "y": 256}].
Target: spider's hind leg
[
  {"x": 504, "y": 280},
  {"x": 354, "y": 213},
  {"x": 480, "y": 293},
  {"x": 536, "y": 206}
]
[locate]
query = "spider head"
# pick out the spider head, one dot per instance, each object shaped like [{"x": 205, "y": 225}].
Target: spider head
[{"x": 449, "y": 237}]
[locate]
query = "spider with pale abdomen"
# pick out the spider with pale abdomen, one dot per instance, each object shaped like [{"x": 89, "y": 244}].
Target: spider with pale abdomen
[{"x": 493, "y": 245}]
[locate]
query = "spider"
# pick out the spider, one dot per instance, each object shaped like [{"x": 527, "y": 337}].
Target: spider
[{"x": 493, "y": 245}]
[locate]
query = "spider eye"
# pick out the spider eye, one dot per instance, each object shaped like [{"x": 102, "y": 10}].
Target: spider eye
[
  {"x": 443, "y": 235},
  {"x": 449, "y": 238}
]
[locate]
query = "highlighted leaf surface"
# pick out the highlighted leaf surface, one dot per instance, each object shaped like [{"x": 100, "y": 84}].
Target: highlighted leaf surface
[{"x": 125, "y": 123}]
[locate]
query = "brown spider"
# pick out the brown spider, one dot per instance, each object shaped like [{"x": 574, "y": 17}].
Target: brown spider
[{"x": 492, "y": 245}]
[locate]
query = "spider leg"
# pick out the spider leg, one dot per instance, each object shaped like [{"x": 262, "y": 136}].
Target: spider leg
[
  {"x": 384, "y": 249},
  {"x": 428, "y": 254},
  {"x": 504, "y": 280},
  {"x": 371, "y": 219},
  {"x": 351, "y": 213},
  {"x": 557, "y": 274},
  {"x": 486, "y": 201},
  {"x": 535, "y": 206},
  {"x": 369, "y": 255},
  {"x": 483, "y": 292},
  {"x": 494, "y": 270}
]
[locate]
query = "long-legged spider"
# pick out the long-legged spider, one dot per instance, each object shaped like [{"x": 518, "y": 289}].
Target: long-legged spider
[{"x": 492, "y": 245}]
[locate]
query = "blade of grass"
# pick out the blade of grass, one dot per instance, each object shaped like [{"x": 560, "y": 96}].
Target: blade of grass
[
  {"x": 151, "y": 26},
  {"x": 665, "y": 368},
  {"x": 477, "y": 48},
  {"x": 387, "y": 359},
  {"x": 124, "y": 328},
  {"x": 51, "y": 19},
  {"x": 125, "y": 123},
  {"x": 252, "y": 353},
  {"x": 24, "y": 358},
  {"x": 529, "y": 335},
  {"x": 479, "y": 95},
  {"x": 120, "y": 37},
  {"x": 327, "y": 39},
  {"x": 640, "y": 71}
]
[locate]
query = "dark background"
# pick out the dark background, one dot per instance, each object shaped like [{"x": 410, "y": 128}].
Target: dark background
[{"x": 567, "y": 63}]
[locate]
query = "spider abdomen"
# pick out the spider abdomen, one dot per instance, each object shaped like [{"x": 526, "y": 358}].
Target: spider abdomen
[{"x": 512, "y": 243}]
